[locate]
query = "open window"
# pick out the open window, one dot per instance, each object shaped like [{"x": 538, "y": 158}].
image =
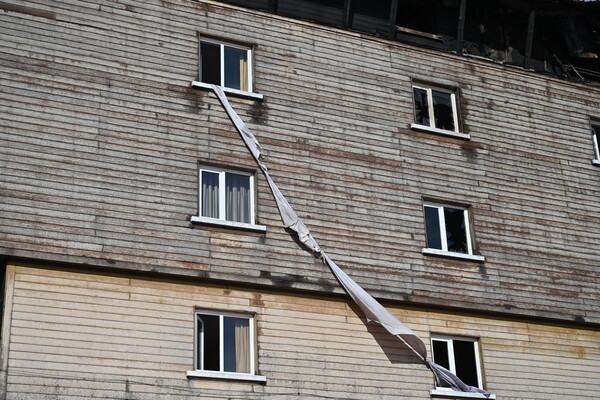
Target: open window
[
  {"x": 225, "y": 64},
  {"x": 596, "y": 141},
  {"x": 460, "y": 355},
  {"x": 448, "y": 231},
  {"x": 224, "y": 346},
  {"x": 436, "y": 110},
  {"x": 226, "y": 198}
]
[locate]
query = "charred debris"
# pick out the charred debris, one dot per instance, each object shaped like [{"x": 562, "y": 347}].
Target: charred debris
[{"x": 557, "y": 37}]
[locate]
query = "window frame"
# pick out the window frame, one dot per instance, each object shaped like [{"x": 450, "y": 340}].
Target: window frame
[
  {"x": 457, "y": 132},
  {"x": 221, "y": 221},
  {"x": 448, "y": 339},
  {"x": 198, "y": 370},
  {"x": 595, "y": 128},
  {"x": 249, "y": 93},
  {"x": 470, "y": 255}
]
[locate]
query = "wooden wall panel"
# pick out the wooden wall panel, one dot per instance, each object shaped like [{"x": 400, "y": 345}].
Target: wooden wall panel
[
  {"x": 83, "y": 335},
  {"x": 101, "y": 135}
]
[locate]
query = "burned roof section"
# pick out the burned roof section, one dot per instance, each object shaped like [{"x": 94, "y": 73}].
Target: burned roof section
[{"x": 557, "y": 37}]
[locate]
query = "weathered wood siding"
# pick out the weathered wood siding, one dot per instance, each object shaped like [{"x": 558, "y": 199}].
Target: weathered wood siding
[
  {"x": 76, "y": 335},
  {"x": 101, "y": 136}
]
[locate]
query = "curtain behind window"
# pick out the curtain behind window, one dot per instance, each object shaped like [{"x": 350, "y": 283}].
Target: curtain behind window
[
  {"x": 209, "y": 203},
  {"x": 237, "y": 198},
  {"x": 244, "y": 73},
  {"x": 242, "y": 345}
]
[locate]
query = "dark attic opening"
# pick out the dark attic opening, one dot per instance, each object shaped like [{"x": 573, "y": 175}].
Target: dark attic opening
[{"x": 557, "y": 37}]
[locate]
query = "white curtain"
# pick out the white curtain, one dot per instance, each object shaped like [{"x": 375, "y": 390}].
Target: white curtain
[
  {"x": 237, "y": 198},
  {"x": 210, "y": 195}
]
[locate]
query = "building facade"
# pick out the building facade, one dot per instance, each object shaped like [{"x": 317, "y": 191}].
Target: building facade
[{"x": 143, "y": 251}]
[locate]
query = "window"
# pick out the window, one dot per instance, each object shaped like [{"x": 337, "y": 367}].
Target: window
[
  {"x": 226, "y": 198},
  {"x": 436, "y": 110},
  {"x": 224, "y": 346},
  {"x": 447, "y": 231},
  {"x": 596, "y": 141},
  {"x": 226, "y": 64},
  {"x": 460, "y": 355}
]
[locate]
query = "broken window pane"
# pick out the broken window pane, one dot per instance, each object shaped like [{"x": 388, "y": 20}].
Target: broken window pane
[
  {"x": 209, "y": 349},
  {"x": 456, "y": 235},
  {"x": 211, "y": 63},
  {"x": 442, "y": 110},
  {"x": 236, "y": 68},
  {"x": 432, "y": 224},
  {"x": 421, "y": 106},
  {"x": 464, "y": 358}
]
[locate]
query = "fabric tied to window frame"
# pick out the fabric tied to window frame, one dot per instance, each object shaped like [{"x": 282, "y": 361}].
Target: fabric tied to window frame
[{"x": 373, "y": 310}]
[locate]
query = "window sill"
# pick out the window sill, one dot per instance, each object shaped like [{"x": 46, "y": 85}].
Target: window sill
[
  {"x": 596, "y": 162},
  {"x": 226, "y": 375},
  {"x": 444, "y": 132},
  {"x": 451, "y": 394},
  {"x": 228, "y": 224},
  {"x": 233, "y": 92},
  {"x": 462, "y": 256}
]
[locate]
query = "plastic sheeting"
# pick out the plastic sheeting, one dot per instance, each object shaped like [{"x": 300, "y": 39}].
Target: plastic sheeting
[{"x": 373, "y": 310}]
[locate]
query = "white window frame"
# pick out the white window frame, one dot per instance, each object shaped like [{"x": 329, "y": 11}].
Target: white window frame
[
  {"x": 431, "y": 127},
  {"x": 221, "y": 220},
  {"x": 199, "y": 371},
  {"x": 442, "y": 227},
  {"x": 448, "y": 339},
  {"x": 250, "y": 61},
  {"x": 595, "y": 128}
]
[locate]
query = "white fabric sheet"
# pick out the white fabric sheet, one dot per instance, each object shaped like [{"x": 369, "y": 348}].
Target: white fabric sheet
[{"x": 373, "y": 310}]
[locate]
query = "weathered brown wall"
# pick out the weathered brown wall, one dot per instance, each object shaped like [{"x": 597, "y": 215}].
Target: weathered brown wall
[
  {"x": 125, "y": 337},
  {"x": 101, "y": 136}
]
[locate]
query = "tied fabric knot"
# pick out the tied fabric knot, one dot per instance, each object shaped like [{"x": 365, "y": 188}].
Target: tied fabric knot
[{"x": 443, "y": 377}]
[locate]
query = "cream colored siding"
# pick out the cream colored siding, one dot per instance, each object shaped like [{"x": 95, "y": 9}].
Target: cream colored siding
[{"x": 84, "y": 335}]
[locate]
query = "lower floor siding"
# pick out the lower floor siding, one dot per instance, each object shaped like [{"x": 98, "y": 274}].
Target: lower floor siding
[{"x": 72, "y": 334}]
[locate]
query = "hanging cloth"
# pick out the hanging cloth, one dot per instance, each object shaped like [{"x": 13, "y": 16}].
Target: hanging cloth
[{"x": 373, "y": 310}]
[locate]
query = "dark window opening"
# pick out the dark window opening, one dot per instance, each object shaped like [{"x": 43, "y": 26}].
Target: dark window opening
[
  {"x": 447, "y": 228},
  {"x": 456, "y": 235},
  {"x": 458, "y": 355},
  {"x": 442, "y": 110},
  {"x": 371, "y": 16},
  {"x": 565, "y": 36},
  {"x": 440, "y": 354},
  {"x": 430, "y": 23},
  {"x": 211, "y": 63},
  {"x": 329, "y": 12},
  {"x": 432, "y": 223},
  {"x": 496, "y": 29},
  {"x": 464, "y": 358},
  {"x": 421, "y": 107},
  {"x": 210, "y": 349}
]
